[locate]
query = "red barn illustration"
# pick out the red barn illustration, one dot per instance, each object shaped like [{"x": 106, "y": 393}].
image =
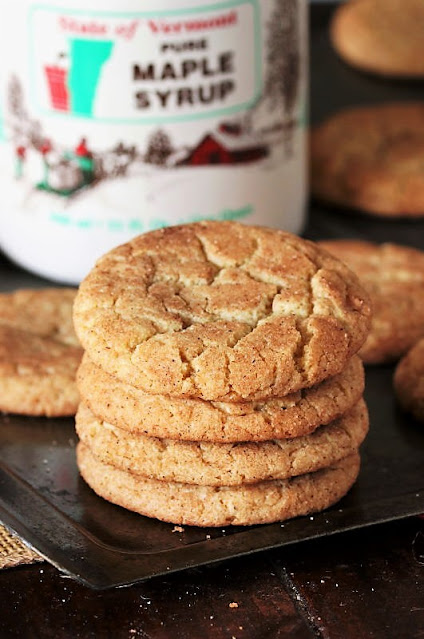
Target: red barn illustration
[
  {"x": 228, "y": 145},
  {"x": 58, "y": 89}
]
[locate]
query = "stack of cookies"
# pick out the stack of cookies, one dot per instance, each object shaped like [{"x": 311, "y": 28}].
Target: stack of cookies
[{"x": 220, "y": 383}]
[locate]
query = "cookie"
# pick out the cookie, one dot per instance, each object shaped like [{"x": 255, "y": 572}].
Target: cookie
[
  {"x": 197, "y": 420},
  {"x": 222, "y": 464},
  {"x": 394, "y": 278},
  {"x": 37, "y": 374},
  {"x": 221, "y": 311},
  {"x": 409, "y": 381},
  {"x": 46, "y": 312},
  {"x": 381, "y": 36},
  {"x": 370, "y": 158},
  {"x": 180, "y": 503}
]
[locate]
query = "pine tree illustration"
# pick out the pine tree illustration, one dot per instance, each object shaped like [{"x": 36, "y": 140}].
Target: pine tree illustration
[
  {"x": 35, "y": 133},
  {"x": 283, "y": 57},
  {"x": 15, "y": 99},
  {"x": 159, "y": 148}
]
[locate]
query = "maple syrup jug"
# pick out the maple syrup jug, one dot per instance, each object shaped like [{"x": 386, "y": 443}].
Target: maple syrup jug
[{"x": 121, "y": 117}]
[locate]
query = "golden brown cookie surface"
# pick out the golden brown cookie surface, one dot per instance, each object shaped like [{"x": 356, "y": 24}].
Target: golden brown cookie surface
[
  {"x": 198, "y": 420},
  {"x": 394, "y": 278},
  {"x": 46, "y": 312},
  {"x": 213, "y": 464},
  {"x": 370, "y": 158},
  {"x": 409, "y": 381},
  {"x": 381, "y": 36},
  {"x": 220, "y": 311},
  {"x": 37, "y": 374},
  {"x": 180, "y": 503}
]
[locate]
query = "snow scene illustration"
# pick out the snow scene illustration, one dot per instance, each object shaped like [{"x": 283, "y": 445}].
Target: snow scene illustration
[{"x": 251, "y": 136}]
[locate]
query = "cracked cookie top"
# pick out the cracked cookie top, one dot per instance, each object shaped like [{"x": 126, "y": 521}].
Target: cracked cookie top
[{"x": 221, "y": 311}]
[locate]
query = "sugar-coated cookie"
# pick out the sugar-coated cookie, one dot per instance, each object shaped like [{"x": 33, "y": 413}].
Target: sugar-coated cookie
[
  {"x": 198, "y": 420},
  {"x": 221, "y": 311},
  {"x": 381, "y": 36},
  {"x": 370, "y": 158},
  {"x": 409, "y": 381},
  {"x": 394, "y": 278},
  {"x": 180, "y": 503},
  {"x": 37, "y": 374},
  {"x": 46, "y": 312},
  {"x": 211, "y": 464}
]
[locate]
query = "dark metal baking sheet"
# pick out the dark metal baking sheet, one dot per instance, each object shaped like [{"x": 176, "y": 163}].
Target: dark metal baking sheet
[{"x": 45, "y": 501}]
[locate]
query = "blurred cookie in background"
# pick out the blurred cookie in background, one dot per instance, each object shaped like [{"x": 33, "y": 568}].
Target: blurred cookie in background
[
  {"x": 37, "y": 374},
  {"x": 371, "y": 159},
  {"x": 46, "y": 312},
  {"x": 409, "y": 381},
  {"x": 384, "y": 37},
  {"x": 39, "y": 352},
  {"x": 394, "y": 278}
]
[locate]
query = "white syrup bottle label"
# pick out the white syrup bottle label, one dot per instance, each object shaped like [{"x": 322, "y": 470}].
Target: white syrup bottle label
[{"x": 119, "y": 120}]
